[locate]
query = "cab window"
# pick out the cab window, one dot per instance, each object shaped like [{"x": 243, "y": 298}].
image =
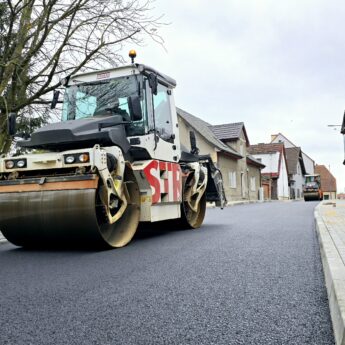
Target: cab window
[{"x": 162, "y": 110}]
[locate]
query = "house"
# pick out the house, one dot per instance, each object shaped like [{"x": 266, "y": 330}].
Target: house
[
  {"x": 275, "y": 174},
  {"x": 296, "y": 171},
  {"x": 241, "y": 174},
  {"x": 309, "y": 163},
  {"x": 234, "y": 135},
  {"x": 328, "y": 182}
]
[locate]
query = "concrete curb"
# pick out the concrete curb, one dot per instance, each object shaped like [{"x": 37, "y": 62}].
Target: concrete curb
[{"x": 334, "y": 272}]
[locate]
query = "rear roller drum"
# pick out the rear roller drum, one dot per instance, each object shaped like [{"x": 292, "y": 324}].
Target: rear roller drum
[{"x": 192, "y": 219}]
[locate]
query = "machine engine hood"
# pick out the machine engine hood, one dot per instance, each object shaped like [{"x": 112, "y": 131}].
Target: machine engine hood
[{"x": 75, "y": 134}]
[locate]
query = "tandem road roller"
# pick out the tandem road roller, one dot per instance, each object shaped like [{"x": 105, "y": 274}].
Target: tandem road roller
[
  {"x": 312, "y": 189},
  {"x": 114, "y": 160}
]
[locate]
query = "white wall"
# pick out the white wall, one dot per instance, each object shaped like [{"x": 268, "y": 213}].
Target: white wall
[
  {"x": 270, "y": 160},
  {"x": 281, "y": 139},
  {"x": 308, "y": 162},
  {"x": 299, "y": 182},
  {"x": 283, "y": 184}
]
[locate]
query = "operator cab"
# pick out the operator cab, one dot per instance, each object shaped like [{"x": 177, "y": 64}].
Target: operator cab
[
  {"x": 130, "y": 106},
  {"x": 138, "y": 95},
  {"x": 110, "y": 92}
]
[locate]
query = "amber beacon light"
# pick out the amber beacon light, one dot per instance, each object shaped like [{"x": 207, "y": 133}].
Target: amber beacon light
[{"x": 132, "y": 54}]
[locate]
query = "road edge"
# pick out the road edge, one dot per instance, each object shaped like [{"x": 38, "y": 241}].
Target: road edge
[{"x": 334, "y": 273}]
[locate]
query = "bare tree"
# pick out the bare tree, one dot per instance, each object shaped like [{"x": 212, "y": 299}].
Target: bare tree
[{"x": 42, "y": 41}]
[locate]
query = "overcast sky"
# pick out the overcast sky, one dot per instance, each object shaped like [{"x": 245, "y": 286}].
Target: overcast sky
[{"x": 278, "y": 66}]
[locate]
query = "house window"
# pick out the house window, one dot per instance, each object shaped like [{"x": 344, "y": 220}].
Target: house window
[
  {"x": 252, "y": 184},
  {"x": 232, "y": 179}
]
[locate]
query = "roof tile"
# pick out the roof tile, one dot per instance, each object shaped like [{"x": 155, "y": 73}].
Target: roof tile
[
  {"x": 328, "y": 181},
  {"x": 265, "y": 148},
  {"x": 227, "y": 131},
  {"x": 293, "y": 155}
]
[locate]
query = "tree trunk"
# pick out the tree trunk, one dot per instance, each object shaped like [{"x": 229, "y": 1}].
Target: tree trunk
[{"x": 5, "y": 139}]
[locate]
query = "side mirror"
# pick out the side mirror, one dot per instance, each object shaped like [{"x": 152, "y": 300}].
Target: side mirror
[
  {"x": 55, "y": 99},
  {"x": 153, "y": 83},
  {"x": 193, "y": 148},
  {"x": 11, "y": 124},
  {"x": 134, "y": 106}
]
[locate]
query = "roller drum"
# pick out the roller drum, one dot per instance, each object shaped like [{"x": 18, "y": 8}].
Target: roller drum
[
  {"x": 50, "y": 218},
  {"x": 66, "y": 218},
  {"x": 311, "y": 196}
]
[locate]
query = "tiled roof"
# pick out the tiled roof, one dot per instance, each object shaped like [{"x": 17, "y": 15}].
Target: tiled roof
[
  {"x": 204, "y": 129},
  {"x": 328, "y": 181},
  {"x": 265, "y": 148},
  {"x": 293, "y": 155},
  {"x": 227, "y": 131},
  {"x": 252, "y": 160}
]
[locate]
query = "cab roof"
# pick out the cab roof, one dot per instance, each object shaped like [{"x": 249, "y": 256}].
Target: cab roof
[{"x": 123, "y": 71}]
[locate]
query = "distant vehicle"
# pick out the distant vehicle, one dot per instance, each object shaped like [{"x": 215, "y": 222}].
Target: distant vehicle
[{"x": 312, "y": 189}]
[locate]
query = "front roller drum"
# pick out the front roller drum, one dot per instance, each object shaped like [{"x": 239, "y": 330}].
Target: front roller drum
[
  {"x": 70, "y": 217},
  {"x": 312, "y": 196}
]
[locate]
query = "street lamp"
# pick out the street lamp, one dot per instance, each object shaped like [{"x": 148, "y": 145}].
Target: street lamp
[{"x": 334, "y": 126}]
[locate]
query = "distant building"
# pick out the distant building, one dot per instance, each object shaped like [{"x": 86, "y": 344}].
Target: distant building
[
  {"x": 241, "y": 172},
  {"x": 234, "y": 135},
  {"x": 328, "y": 182},
  {"x": 296, "y": 171},
  {"x": 275, "y": 174},
  {"x": 309, "y": 163}
]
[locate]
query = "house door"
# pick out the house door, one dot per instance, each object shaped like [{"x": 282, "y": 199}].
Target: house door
[{"x": 266, "y": 191}]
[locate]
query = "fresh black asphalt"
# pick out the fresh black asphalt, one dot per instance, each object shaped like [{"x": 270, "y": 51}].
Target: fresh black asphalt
[{"x": 251, "y": 275}]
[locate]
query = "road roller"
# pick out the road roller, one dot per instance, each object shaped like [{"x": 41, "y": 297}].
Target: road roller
[
  {"x": 114, "y": 161},
  {"x": 312, "y": 190}
]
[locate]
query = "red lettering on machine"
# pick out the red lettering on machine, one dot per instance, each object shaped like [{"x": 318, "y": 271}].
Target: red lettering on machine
[{"x": 165, "y": 179}]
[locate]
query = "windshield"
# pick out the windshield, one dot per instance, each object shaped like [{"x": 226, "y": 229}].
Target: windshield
[
  {"x": 313, "y": 184},
  {"x": 108, "y": 97}
]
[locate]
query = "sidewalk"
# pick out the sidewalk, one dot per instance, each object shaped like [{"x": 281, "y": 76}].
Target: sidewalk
[{"x": 330, "y": 227}]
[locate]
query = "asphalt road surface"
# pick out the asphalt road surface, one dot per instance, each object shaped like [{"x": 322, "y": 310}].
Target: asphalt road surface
[{"x": 251, "y": 275}]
